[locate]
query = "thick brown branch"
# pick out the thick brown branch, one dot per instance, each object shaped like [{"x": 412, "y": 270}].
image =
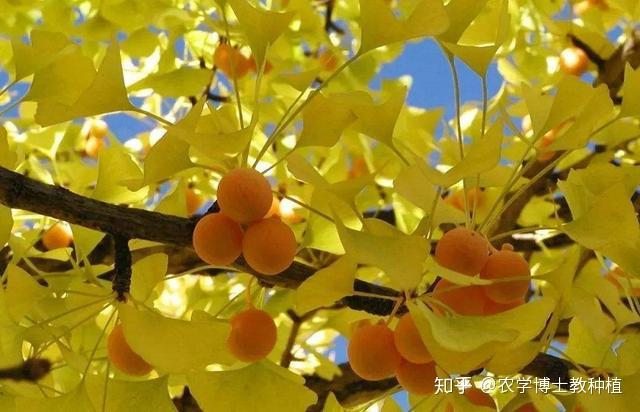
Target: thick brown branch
[
  {"x": 22, "y": 192},
  {"x": 30, "y": 370},
  {"x": 122, "y": 273}
]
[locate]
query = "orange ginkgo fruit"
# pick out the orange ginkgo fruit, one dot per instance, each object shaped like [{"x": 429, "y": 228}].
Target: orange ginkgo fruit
[
  {"x": 573, "y": 61},
  {"x": 463, "y": 300},
  {"x": 501, "y": 266},
  {"x": 544, "y": 155},
  {"x": 463, "y": 251},
  {"x": 93, "y": 145},
  {"x": 417, "y": 379},
  {"x": 475, "y": 196},
  {"x": 244, "y": 195},
  {"x": 230, "y": 61},
  {"x": 328, "y": 60},
  {"x": 269, "y": 246},
  {"x": 194, "y": 201},
  {"x": 217, "y": 239},
  {"x": 98, "y": 128},
  {"x": 253, "y": 335},
  {"x": 372, "y": 352},
  {"x": 123, "y": 357},
  {"x": 58, "y": 236},
  {"x": 408, "y": 341}
]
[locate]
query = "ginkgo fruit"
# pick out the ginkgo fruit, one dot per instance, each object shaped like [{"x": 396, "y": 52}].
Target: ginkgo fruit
[
  {"x": 476, "y": 397},
  {"x": 93, "y": 145},
  {"x": 372, "y": 352},
  {"x": 217, "y": 239},
  {"x": 475, "y": 196},
  {"x": 573, "y": 61},
  {"x": 230, "y": 61},
  {"x": 463, "y": 300},
  {"x": 462, "y": 250},
  {"x": 491, "y": 307},
  {"x": 328, "y": 60},
  {"x": 98, "y": 128},
  {"x": 253, "y": 335},
  {"x": 501, "y": 266},
  {"x": 58, "y": 236},
  {"x": 408, "y": 341},
  {"x": 584, "y": 6},
  {"x": 269, "y": 246},
  {"x": 545, "y": 155},
  {"x": 194, "y": 201},
  {"x": 358, "y": 168},
  {"x": 123, "y": 357},
  {"x": 417, "y": 379},
  {"x": 244, "y": 195}
]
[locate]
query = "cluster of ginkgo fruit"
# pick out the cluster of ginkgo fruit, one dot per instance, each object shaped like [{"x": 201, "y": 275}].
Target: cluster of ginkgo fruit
[
  {"x": 376, "y": 352},
  {"x": 466, "y": 251},
  {"x": 267, "y": 244},
  {"x": 96, "y": 132}
]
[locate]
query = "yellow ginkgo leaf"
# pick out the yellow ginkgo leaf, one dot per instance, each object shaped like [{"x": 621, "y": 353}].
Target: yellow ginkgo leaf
[
  {"x": 227, "y": 391},
  {"x": 630, "y": 97},
  {"x": 85, "y": 240},
  {"x": 6, "y": 224},
  {"x": 171, "y": 153},
  {"x": 45, "y": 48},
  {"x": 399, "y": 255},
  {"x": 512, "y": 328},
  {"x": 478, "y": 44},
  {"x": 105, "y": 93},
  {"x": 7, "y": 157},
  {"x": 326, "y": 286},
  {"x": 591, "y": 281},
  {"x": 324, "y": 120},
  {"x": 450, "y": 360},
  {"x": 585, "y": 349},
  {"x": 146, "y": 273},
  {"x": 513, "y": 360},
  {"x": 611, "y": 220},
  {"x": 461, "y": 14},
  {"x": 23, "y": 292},
  {"x": 378, "y": 121},
  {"x": 76, "y": 400},
  {"x": 380, "y": 27},
  {"x": 115, "y": 169},
  {"x": 262, "y": 27},
  {"x": 185, "y": 81},
  {"x": 483, "y": 156},
  {"x": 120, "y": 395},
  {"x": 175, "y": 202},
  {"x": 213, "y": 140},
  {"x": 174, "y": 345}
]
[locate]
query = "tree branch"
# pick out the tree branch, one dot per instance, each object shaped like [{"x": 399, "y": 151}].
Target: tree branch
[
  {"x": 30, "y": 370},
  {"x": 122, "y": 273},
  {"x": 22, "y": 192}
]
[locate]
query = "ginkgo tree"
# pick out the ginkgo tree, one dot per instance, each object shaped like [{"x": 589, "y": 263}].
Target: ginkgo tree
[{"x": 273, "y": 202}]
